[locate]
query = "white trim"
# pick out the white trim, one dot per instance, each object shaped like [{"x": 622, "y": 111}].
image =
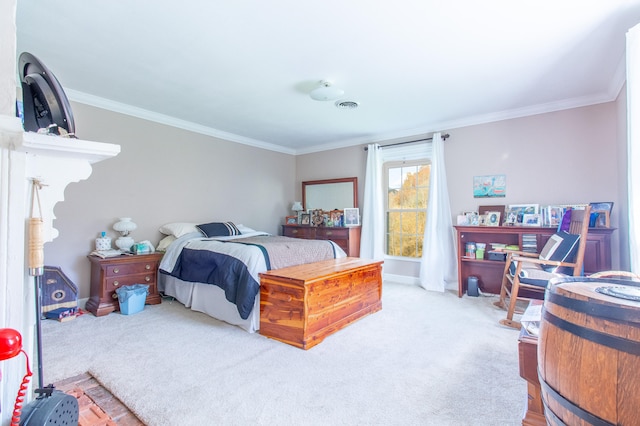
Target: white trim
[{"x": 402, "y": 279}]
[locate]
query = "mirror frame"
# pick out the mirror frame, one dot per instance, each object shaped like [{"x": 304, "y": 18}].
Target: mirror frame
[{"x": 353, "y": 180}]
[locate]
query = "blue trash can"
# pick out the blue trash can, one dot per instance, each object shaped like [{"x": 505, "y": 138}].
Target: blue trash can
[{"x": 132, "y": 298}]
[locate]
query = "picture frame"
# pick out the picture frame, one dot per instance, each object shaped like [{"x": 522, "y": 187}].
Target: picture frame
[
  {"x": 305, "y": 219},
  {"x": 517, "y": 212},
  {"x": 291, "y": 220},
  {"x": 352, "y": 216},
  {"x": 497, "y": 208},
  {"x": 531, "y": 219},
  {"x": 601, "y": 214},
  {"x": 554, "y": 215},
  {"x": 492, "y": 219},
  {"x": 316, "y": 218},
  {"x": 335, "y": 216},
  {"x": 602, "y": 206},
  {"x": 603, "y": 220},
  {"x": 489, "y": 186}
]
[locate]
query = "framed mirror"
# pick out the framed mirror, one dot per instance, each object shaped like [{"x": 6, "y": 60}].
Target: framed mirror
[{"x": 330, "y": 194}]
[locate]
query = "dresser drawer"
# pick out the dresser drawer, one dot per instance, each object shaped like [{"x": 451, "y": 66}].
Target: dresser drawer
[
  {"x": 307, "y": 233},
  {"x": 130, "y": 268},
  {"x": 332, "y": 234}
]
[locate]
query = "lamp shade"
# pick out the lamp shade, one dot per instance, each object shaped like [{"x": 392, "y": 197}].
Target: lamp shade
[
  {"x": 124, "y": 226},
  {"x": 297, "y": 206}
]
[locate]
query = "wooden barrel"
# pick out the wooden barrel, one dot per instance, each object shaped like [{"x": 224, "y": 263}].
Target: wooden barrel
[{"x": 589, "y": 352}]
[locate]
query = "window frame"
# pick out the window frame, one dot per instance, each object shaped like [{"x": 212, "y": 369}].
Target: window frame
[{"x": 386, "y": 166}]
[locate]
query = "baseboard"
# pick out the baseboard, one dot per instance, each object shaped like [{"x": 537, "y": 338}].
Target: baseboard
[{"x": 402, "y": 279}]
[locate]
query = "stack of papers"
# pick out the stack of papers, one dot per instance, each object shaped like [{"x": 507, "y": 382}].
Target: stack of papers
[{"x": 531, "y": 318}]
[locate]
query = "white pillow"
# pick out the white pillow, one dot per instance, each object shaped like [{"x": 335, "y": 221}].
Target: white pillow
[
  {"x": 165, "y": 242},
  {"x": 245, "y": 229},
  {"x": 178, "y": 229}
]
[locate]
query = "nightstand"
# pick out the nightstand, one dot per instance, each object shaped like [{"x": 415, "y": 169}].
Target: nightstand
[{"x": 114, "y": 272}]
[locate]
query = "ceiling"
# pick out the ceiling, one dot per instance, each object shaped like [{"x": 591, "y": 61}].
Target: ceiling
[{"x": 242, "y": 70}]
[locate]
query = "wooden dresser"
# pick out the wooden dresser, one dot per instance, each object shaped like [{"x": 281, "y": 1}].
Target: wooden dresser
[
  {"x": 114, "y": 272},
  {"x": 348, "y": 238}
]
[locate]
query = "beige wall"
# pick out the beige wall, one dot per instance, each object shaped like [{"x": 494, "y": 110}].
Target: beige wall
[
  {"x": 570, "y": 156},
  {"x": 164, "y": 174}
]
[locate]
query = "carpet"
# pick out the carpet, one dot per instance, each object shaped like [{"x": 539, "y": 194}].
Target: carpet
[{"x": 426, "y": 358}]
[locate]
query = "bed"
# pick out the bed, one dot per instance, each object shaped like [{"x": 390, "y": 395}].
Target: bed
[{"x": 213, "y": 268}]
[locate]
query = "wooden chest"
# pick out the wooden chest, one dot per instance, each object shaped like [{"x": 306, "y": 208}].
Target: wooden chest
[{"x": 301, "y": 305}]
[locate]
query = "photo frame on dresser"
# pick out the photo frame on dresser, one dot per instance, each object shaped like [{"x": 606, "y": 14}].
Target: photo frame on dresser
[
  {"x": 352, "y": 217},
  {"x": 305, "y": 219}
]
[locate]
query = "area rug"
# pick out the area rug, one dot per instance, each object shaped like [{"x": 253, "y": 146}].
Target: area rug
[{"x": 426, "y": 358}]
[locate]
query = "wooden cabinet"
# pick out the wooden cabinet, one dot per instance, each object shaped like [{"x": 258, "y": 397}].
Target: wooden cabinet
[
  {"x": 597, "y": 255},
  {"x": 348, "y": 238},
  {"x": 109, "y": 274}
]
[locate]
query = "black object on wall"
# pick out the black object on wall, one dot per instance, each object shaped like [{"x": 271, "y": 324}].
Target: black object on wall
[{"x": 44, "y": 102}]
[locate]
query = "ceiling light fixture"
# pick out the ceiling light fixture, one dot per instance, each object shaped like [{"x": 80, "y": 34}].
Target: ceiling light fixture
[{"x": 326, "y": 92}]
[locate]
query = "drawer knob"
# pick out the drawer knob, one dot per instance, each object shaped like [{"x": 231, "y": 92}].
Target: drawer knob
[
  {"x": 115, "y": 271},
  {"x": 114, "y": 296},
  {"x": 147, "y": 278},
  {"x": 294, "y": 231},
  {"x": 147, "y": 267},
  {"x": 116, "y": 283},
  {"x": 329, "y": 233}
]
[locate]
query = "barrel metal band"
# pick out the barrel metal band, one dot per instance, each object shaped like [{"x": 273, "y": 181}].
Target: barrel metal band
[
  {"x": 577, "y": 411},
  {"x": 594, "y": 309},
  {"x": 615, "y": 342}
]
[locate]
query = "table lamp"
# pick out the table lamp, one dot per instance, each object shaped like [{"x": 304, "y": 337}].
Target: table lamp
[
  {"x": 297, "y": 208},
  {"x": 124, "y": 226}
]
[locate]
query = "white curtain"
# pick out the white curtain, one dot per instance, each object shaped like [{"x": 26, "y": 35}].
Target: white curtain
[
  {"x": 372, "y": 232},
  {"x": 633, "y": 144},
  {"x": 439, "y": 260}
]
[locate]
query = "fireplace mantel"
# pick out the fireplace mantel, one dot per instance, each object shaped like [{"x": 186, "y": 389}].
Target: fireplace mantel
[{"x": 55, "y": 162}]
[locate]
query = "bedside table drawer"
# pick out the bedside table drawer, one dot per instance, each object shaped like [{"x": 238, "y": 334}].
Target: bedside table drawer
[
  {"x": 130, "y": 268},
  {"x": 113, "y": 283}
]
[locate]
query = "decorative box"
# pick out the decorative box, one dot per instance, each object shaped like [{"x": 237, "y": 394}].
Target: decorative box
[{"x": 497, "y": 255}]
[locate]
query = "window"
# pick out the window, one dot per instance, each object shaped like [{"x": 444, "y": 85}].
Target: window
[{"x": 407, "y": 195}]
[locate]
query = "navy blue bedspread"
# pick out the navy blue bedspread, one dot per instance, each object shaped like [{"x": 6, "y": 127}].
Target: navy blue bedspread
[{"x": 227, "y": 272}]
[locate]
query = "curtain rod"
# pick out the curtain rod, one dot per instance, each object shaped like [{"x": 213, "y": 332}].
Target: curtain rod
[{"x": 444, "y": 138}]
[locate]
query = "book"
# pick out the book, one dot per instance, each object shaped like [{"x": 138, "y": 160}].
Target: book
[
  {"x": 61, "y": 314},
  {"x": 106, "y": 253}
]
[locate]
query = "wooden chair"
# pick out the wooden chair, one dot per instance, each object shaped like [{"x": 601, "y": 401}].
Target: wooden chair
[{"x": 526, "y": 275}]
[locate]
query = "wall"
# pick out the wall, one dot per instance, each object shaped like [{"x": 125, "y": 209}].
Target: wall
[
  {"x": 562, "y": 157},
  {"x": 164, "y": 174}
]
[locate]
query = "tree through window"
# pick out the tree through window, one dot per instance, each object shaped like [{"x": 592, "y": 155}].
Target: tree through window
[{"x": 406, "y": 206}]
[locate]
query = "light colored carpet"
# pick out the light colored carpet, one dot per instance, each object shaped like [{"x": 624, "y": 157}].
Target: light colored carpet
[{"x": 424, "y": 359}]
